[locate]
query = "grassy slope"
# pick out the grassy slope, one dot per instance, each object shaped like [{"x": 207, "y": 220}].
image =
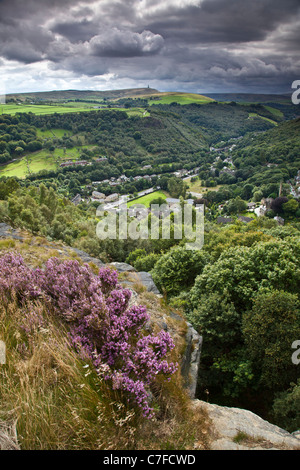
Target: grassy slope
[
  {"x": 180, "y": 98},
  {"x": 41, "y": 160},
  {"x": 64, "y": 95},
  {"x": 275, "y": 111},
  {"x": 250, "y": 97},
  {"x": 12, "y": 109},
  {"x": 252, "y": 115},
  {"x": 196, "y": 186},
  {"x": 56, "y": 400},
  {"x": 40, "y": 109}
]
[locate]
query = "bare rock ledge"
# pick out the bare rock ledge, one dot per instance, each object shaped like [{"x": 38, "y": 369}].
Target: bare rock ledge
[{"x": 238, "y": 429}]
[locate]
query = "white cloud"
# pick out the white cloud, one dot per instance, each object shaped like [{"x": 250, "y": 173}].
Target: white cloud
[
  {"x": 122, "y": 43},
  {"x": 146, "y": 8}
]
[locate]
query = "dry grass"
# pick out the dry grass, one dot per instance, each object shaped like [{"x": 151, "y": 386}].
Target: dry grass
[
  {"x": 59, "y": 402},
  {"x": 8, "y": 436},
  {"x": 52, "y": 400}
]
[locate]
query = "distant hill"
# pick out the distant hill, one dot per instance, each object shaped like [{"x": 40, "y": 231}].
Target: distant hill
[
  {"x": 152, "y": 95},
  {"x": 169, "y": 97},
  {"x": 63, "y": 95},
  {"x": 251, "y": 98}
]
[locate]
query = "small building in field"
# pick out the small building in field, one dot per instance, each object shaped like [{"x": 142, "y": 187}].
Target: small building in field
[
  {"x": 77, "y": 199},
  {"x": 224, "y": 220},
  {"x": 244, "y": 219},
  {"x": 251, "y": 206}
]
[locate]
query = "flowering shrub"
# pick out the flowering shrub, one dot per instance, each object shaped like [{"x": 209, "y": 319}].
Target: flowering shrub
[
  {"x": 103, "y": 328},
  {"x": 16, "y": 278}
]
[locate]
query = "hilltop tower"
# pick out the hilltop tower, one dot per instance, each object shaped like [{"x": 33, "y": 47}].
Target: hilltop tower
[{"x": 2, "y": 93}]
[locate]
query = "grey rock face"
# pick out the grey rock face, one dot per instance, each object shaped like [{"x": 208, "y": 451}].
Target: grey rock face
[
  {"x": 191, "y": 360},
  {"x": 147, "y": 280},
  {"x": 88, "y": 259},
  {"x": 6, "y": 231},
  {"x": 123, "y": 267},
  {"x": 238, "y": 429}
]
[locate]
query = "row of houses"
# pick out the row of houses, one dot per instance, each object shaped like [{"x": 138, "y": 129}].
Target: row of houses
[
  {"x": 250, "y": 206},
  {"x": 229, "y": 220},
  {"x": 102, "y": 198},
  {"x": 113, "y": 181},
  {"x": 76, "y": 163},
  {"x": 81, "y": 162}
]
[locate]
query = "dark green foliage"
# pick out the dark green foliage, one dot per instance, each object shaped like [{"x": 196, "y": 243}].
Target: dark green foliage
[
  {"x": 176, "y": 270},
  {"x": 269, "y": 330},
  {"x": 177, "y": 187},
  {"x": 246, "y": 306},
  {"x": 286, "y": 408}
]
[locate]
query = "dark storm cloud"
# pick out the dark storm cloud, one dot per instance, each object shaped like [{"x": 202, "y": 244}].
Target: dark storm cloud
[
  {"x": 22, "y": 36},
  {"x": 196, "y": 43},
  {"x": 75, "y": 30},
  {"x": 223, "y": 21}
]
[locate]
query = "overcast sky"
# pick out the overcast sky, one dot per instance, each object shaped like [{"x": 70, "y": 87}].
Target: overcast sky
[{"x": 202, "y": 46}]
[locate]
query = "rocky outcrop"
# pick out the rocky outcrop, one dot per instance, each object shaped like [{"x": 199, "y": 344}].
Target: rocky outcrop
[
  {"x": 87, "y": 258},
  {"x": 130, "y": 277},
  {"x": 6, "y": 231},
  {"x": 147, "y": 281},
  {"x": 143, "y": 277},
  {"x": 191, "y": 360},
  {"x": 238, "y": 429},
  {"x": 123, "y": 267}
]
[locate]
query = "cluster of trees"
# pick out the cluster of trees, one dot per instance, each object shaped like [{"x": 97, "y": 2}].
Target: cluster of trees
[
  {"x": 241, "y": 292},
  {"x": 43, "y": 211},
  {"x": 16, "y": 137},
  {"x": 220, "y": 121}
]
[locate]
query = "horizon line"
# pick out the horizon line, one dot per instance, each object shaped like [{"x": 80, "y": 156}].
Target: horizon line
[{"x": 147, "y": 88}]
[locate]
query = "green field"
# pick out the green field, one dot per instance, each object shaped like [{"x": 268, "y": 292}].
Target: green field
[
  {"x": 253, "y": 115},
  {"x": 40, "y": 109},
  {"x": 75, "y": 107},
  {"x": 141, "y": 112},
  {"x": 196, "y": 186},
  {"x": 275, "y": 111},
  {"x": 53, "y": 133},
  {"x": 145, "y": 200},
  {"x": 41, "y": 160},
  {"x": 180, "y": 98},
  {"x": 33, "y": 163},
  {"x": 18, "y": 169}
]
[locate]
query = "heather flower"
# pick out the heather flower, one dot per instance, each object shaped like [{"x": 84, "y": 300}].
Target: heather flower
[
  {"x": 16, "y": 278},
  {"x": 104, "y": 330}
]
